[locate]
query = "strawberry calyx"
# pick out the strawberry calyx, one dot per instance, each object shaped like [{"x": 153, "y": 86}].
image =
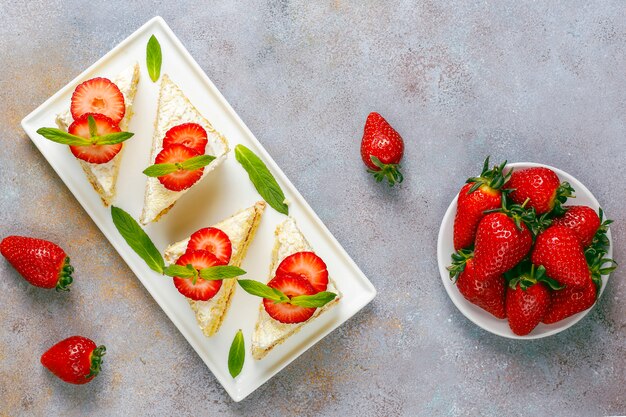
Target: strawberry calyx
[
  {"x": 525, "y": 275},
  {"x": 595, "y": 253},
  {"x": 597, "y": 268},
  {"x": 459, "y": 260},
  {"x": 493, "y": 178},
  {"x": 561, "y": 195},
  {"x": 390, "y": 172},
  {"x": 95, "y": 360},
  {"x": 600, "y": 240},
  {"x": 65, "y": 276},
  {"x": 522, "y": 215}
]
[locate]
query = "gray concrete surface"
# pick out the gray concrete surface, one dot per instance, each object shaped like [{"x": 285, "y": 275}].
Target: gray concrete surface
[{"x": 525, "y": 81}]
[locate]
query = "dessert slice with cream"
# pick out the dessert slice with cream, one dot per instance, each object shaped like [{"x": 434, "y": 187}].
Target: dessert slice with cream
[
  {"x": 227, "y": 242},
  {"x": 185, "y": 148},
  {"x": 299, "y": 290},
  {"x": 110, "y": 104}
]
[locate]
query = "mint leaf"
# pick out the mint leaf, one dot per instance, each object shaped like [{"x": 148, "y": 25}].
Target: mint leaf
[
  {"x": 313, "y": 301},
  {"x": 221, "y": 272},
  {"x": 261, "y": 290},
  {"x": 153, "y": 58},
  {"x": 112, "y": 138},
  {"x": 197, "y": 162},
  {"x": 191, "y": 164},
  {"x": 159, "y": 170},
  {"x": 62, "y": 137},
  {"x": 137, "y": 239},
  {"x": 236, "y": 355},
  {"x": 186, "y": 271},
  {"x": 262, "y": 178},
  {"x": 93, "y": 128}
]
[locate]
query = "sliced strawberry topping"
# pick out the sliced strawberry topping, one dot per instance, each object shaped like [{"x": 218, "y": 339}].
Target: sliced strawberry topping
[
  {"x": 203, "y": 289},
  {"x": 98, "y": 95},
  {"x": 95, "y": 154},
  {"x": 291, "y": 285},
  {"x": 309, "y": 266},
  {"x": 192, "y": 135},
  {"x": 213, "y": 240},
  {"x": 181, "y": 179}
]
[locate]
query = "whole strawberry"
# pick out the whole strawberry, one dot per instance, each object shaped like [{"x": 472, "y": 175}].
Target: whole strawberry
[
  {"x": 478, "y": 195},
  {"x": 570, "y": 301},
  {"x": 75, "y": 360},
  {"x": 487, "y": 293},
  {"x": 582, "y": 220},
  {"x": 559, "y": 250},
  {"x": 542, "y": 187},
  {"x": 527, "y": 301},
  {"x": 382, "y": 149},
  {"x": 501, "y": 243},
  {"x": 40, "y": 262}
]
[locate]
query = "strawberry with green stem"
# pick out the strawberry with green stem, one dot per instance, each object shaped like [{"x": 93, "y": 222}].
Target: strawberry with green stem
[
  {"x": 485, "y": 292},
  {"x": 528, "y": 297},
  {"x": 42, "y": 263},
  {"x": 558, "y": 249},
  {"x": 503, "y": 239},
  {"x": 75, "y": 360},
  {"x": 542, "y": 187},
  {"x": 382, "y": 149},
  {"x": 476, "y": 196},
  {"x": 582, "y": 220}
]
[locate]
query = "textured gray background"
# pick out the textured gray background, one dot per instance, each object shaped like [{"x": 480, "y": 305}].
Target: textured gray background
[{"x": 517, "y": 80}]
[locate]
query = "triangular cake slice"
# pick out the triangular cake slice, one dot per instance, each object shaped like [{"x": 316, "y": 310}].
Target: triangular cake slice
[
  {"x": 103, "y": 177},
  {"x": 268, "y": 332},
  {"x": 174, "y": 108},
  {"x": 240, "y": 228}
]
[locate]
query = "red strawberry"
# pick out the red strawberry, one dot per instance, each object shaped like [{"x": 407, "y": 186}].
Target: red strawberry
[
  {"x": 560, "y": 252},
  {"x": 309, "y": 266},
  {"x": 569, "y": 301},
  {"x": 95, "y": 154},
  {"x": 526, "y": 306},
  {"x": 485, "y": 292},
  {"x": 75, "y": 360},
  {"x": 500, "y": 244},
  {"x": 582, "y": 220},
  {"x": 42, "y": 263},
  {"x": 192, "y": 135},
  {"x": 382, "y": 149},
  {"x": 542, "y": 187},
  {"x": 98, "y": 95},
  {"x": 478, "y": 195},
  {"x": 213, "y": 240},
  {"x": 198, "y": 289},
  {"x": 181, "y": 179},
  {"x": 291, "y": 285}
]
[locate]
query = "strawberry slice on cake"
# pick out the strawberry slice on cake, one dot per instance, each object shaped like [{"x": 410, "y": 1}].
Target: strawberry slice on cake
[
  {"x": 224, "y": 243},
  {"x": 187, "y": 143},
  {"x": 299, "y": 290},
  {"x": 110, "y": 105}
]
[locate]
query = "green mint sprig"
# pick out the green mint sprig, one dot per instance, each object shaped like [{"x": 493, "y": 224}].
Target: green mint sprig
[
  {"x": 153, "y": 58},
  {"x": 262, "y": 179},
  {"x": 191, "y": 164},
  {"x": 264, "y": 291},
  {"x": 143, "y": 246},
  {"x": 60, "y": 136},
  {"x": 236, "y": 355}
]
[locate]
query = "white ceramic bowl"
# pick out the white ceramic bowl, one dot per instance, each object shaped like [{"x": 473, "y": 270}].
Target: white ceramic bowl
[{"x": 480, "y": 317}]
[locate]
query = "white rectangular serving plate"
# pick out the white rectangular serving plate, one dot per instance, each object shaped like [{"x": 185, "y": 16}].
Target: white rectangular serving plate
[{"x": 219, "y": 195}]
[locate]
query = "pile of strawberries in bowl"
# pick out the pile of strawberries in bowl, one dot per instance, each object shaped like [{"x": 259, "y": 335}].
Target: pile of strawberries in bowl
[{"x": 525, "y": 257}]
